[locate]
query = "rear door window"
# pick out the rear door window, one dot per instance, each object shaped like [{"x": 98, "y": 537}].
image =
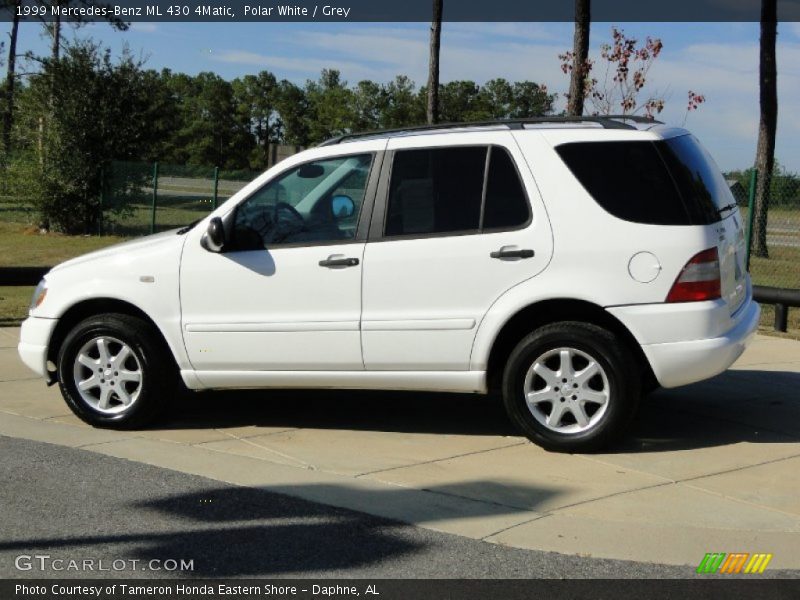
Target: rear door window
[
  {"x": 445, "y": 190},
  {"x": 436, "y": 191},
  {"x": 506, "y": 205}
]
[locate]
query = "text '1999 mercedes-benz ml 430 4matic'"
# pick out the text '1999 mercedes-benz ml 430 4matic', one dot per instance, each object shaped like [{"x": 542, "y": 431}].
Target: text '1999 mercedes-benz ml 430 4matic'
[{"x": 568, "y": 265}]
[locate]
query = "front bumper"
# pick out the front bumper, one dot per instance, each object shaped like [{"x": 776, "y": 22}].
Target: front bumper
[
  {"x": 681, "y": 363},
  {"x": 34, "y": 338}
]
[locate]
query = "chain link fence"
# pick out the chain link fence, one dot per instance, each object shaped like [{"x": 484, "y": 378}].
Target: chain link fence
[
  {"x": 143, "y": 198},
  {"x": 774, "y": 236},
  {"x": 139, "y": 198},
  {"x": 773, "y": 247}
]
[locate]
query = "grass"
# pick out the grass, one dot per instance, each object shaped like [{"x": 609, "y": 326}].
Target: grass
[
  {"x": 22, "y": 245},
  {"x": 767, "y": 324},
  {"x": 14, "y": 302},
  {"x": 176, "y": 214},
  {"x": 781, "y": 269},
  {"x": 172, "y": 211}
]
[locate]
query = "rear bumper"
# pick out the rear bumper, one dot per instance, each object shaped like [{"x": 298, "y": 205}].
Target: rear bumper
[
  {"x": 34, "y": 338},
  {"x": 681, "y": 363}
]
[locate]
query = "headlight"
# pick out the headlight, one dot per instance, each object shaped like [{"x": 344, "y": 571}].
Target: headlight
[{"x": 39, "y": 294}]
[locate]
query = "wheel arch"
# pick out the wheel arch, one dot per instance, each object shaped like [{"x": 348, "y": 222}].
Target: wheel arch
[
  {"x": 94, "y": 307},
  {"x": 538, "y": 314}
]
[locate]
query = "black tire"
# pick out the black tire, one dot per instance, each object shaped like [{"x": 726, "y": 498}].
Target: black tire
[
  {"x": 158, "y": 372},
  {"x": 621, "y": 372}
]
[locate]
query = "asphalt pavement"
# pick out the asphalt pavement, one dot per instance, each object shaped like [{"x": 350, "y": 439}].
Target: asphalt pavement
[
  {"x": 74, "y": 505},
  {"x": 450, "y": 489}
]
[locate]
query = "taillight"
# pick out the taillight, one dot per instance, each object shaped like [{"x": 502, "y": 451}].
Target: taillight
[{"x": 699, "y": 280}]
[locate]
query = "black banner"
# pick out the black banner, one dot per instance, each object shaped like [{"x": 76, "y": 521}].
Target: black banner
[
  {"x": 616, "y": 11},
  {"x": 439, "y": 589}
]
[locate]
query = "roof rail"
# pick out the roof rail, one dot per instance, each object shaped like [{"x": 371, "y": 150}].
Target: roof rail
[{"x": 606, "y": 121}]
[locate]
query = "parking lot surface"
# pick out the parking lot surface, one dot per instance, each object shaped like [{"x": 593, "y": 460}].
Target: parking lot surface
[
  {"x": 76, "y": 509},
  {"x": 711, "y": 467}
]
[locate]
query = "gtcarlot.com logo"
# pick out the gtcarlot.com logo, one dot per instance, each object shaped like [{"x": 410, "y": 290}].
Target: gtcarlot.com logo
[
  {"x": 734, "y": 563},
  {"x": 45, "y": 562}
]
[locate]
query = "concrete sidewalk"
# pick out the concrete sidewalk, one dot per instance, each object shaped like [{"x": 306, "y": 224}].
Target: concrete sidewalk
[{"x": 713, "y": 467}]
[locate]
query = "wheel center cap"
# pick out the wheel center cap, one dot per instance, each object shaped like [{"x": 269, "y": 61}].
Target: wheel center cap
[{"x": 108, "y": 373}]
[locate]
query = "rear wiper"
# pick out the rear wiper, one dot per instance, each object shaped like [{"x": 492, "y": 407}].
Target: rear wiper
[
  {"x": 730, "y": 206},
  {"x": 188, "y": 227}
]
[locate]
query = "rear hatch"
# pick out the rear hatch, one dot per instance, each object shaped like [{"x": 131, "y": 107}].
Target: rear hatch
[{"x": 709, "y": 201}]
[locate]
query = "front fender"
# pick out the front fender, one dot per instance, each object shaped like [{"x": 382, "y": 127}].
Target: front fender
[{"x": 147, "y": 278}]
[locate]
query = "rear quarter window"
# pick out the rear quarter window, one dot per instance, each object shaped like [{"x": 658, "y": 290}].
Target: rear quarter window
[
  {"x": 672, "y": 182},
  {"x": 628, "y": 179},
  {"x": 697, "y": 177}
]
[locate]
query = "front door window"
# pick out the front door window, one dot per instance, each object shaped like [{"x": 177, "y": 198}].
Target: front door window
[{"x": 317, "y": 202}]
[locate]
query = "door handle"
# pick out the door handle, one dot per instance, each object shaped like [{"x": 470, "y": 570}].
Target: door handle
[
  {"x": 335, "y": 262},
  {"x": 511, "y": 252}
]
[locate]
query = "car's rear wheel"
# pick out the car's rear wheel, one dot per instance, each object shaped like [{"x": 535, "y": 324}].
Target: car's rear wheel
[
  {"x": 571, "y": 387},
  {"x": 115, "y": 372}
]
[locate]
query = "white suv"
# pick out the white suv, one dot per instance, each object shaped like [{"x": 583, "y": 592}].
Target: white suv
[{"x": 571, "y": 265}]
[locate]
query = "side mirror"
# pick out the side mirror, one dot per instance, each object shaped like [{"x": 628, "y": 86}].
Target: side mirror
[
  {"x": 342, "y": 207},
  {"x": 214, "y": 239}
]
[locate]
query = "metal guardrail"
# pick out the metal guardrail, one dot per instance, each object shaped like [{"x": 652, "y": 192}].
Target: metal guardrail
[
  {"x": 14, "y": 276},
  {"x": 782, "y": 299}
]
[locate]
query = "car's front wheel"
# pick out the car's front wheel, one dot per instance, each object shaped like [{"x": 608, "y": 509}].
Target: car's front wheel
[
  {"x": 571, "y": 387},
  {"x": 114, "y": 372}
]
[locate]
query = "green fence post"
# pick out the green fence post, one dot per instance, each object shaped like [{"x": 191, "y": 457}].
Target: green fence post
[
  {"x": 751, "y": 212},
  {"x": 216, "y": 188},
  {"x": 155, "y": 198}
]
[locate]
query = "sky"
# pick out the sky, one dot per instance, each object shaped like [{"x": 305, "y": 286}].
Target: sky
[{"x": 718, "y": 60}]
